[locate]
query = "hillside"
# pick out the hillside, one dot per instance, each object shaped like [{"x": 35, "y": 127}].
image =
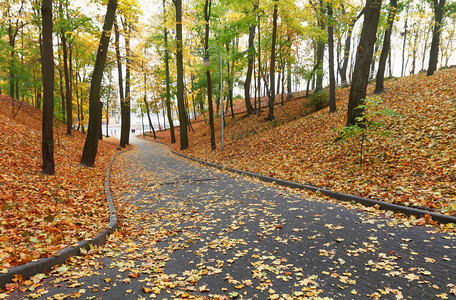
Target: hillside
[
  {"x": 415, "y": 165},
  {"x": 41, "y": 214}
]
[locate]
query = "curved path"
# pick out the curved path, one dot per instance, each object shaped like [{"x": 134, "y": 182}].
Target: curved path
[{"x": 190, "y": 231}]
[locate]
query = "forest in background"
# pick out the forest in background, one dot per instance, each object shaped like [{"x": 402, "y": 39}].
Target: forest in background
[
  {"x": 167, "y": 62},
  {"x": 141, "y": 70}
]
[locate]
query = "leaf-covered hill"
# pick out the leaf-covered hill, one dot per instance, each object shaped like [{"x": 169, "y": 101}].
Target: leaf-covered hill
[
  {"x": 415, "y": 165},
  {"x": 41, "y": 214}
]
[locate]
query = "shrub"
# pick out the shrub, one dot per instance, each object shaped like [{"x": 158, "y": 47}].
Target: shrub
[
  {"x": 319, "y": 100},
  {"x": 368, "y": 123}
]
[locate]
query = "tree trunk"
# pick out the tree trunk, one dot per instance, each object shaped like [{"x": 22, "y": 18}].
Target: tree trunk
[
  {"x": 372, "y": 66},
  {"x": 66, "y": 72},
  {"x": 403, "y": 44},
  {"x": 272, "y": 65},
  {"x": 164, "y": 117},
  {"x": 364, "y": 55},
  {"x": 332, "y": 77},
  {"x": 283, "y": 84},
  {"x": 148, "y": 117},
  {"x": 250, "y": 56},
  {"x": 180, "y": 77},
  {"x": 230, "y": 83},
  {"x": 95, "y": 114},
  {"x": 100, "y": 131},
  {"x": 38, "y": 100},
  {"x": 343, "y": 68},
  {"x": 319, "y": 70},
  {"x": 277, "y": 90},
  {"x": 107, "y": 109},
  {"x": 12, "y": 38},
  {"x": 259, "y": 67},
  {"x": 193, "y": 97},
  {"x": 47, "y": 67},
  {"x": 434, "y": 53},
  {"x": 289, "y": 83},
  {"x": 124, "y": 130},
  {"x": 311, "y": 77},
  {"x": 77, "y": 100},
  {"x": 168, "y": 92},
  {"x": 255, "y": 85},
  {"x": 70, "y": 61},
  {"x": 320, "y": 51},
  {"x": 128, "y": 64},
  {"x": 69, "y": 100},
  {"x": 61, "y": 89},
  {"x": 390, "y": 67},
  {"x": 379, "y": 87},
  {"x": 207, "y": 15}
]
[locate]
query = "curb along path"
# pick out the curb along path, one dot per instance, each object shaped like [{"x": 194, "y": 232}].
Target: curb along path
[
  {"x": 46, "y": 264},
  {"x": 338, "y": 196}
]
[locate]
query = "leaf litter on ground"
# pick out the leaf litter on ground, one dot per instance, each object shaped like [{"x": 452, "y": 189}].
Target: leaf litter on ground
[
  {"x": 40, "y": 214},
  {"x": 142, "y": 232}
]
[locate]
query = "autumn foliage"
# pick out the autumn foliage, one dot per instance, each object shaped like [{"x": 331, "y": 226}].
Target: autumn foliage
[
  {"x": 42, "y": 214},
  {"x": 415, "y": 165}
]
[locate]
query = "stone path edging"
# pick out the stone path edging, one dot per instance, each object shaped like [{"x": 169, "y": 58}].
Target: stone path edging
[
  {"x": 338, "y": 196},
  {"x": 45, "y": 264}
]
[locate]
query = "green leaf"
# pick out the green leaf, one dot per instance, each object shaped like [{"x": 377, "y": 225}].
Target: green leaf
[{"x": 233, "y": 294}]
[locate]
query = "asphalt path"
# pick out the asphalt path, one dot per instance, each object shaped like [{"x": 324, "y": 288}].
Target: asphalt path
[{"x": 190, "y": 231}]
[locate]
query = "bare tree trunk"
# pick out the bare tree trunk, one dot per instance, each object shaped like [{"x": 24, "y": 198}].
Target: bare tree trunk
[
  {"x": 70, "y": 60},
  {"x": 277, "y": 90},
  {"x": 434, "y": 53},
  {"x": 38, "y": 100},
  {"x": 379, "y": 86},
  {"x": 289, "y": 83},
  {"x": 61, "y": 89},
  {"x": 168, "y": 92},
  {"x": 69, "y": 101},
  {"x": 343, "y": 68},
  {"x": 124, "y": 130},
  {"x": 259, "y": 68},
  {"x": 390, "y": 67},
  {"x": 128, "y": 65},
  {"x": 207, "y": 15},
  {"x": 12, "y": 36},
  {"x": 403, "y": 44},
  {"x": 312, "y": 77},
  {"x": 320, "y": 51},
  {"x": 95, "y": 114},
  {"x": 148, "y": 117},
  {"x": 272, "y": 65},
  {"x": 332, "y": 78},
  {"x": 180, "y": 77},
  {"x": 255, "y": 86},
  {"x": 282, "y": 83},
  {"x": 107, "y": 109},
  {"x": 364, "y": 55},
  {"x": 251, "y": 56},
  {"x": 230, "y": 83},
  {"x": 77, "y": 100},
  {"x": 47, "y": 67},
  {"x": 164, "y": 117},
  {"x": 372, "y": 66}
]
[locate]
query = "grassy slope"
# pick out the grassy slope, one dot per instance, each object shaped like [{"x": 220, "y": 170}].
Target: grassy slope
[
  {"x": 416, "y": 165},
  {"x": 41, "y": 214}
]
